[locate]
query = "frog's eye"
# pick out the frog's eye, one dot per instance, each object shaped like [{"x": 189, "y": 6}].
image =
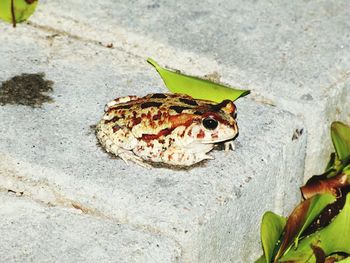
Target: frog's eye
[
  {"x": 234, "y": 115},
  {"x": 210, "y": 123}
]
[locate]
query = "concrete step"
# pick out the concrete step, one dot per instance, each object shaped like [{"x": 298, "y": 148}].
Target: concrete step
[
  {"x": 292, "y": 55},
  {"x": 35, "y": 232},
  {"x": 211, "y": 212}
]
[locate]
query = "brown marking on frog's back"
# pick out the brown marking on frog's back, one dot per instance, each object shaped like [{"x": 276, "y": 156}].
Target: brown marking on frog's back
[
  {"x": 157, "y": 116},
  {"x": 150, "y": 137},
  {"x": 114, "y": 119},
  {"x": 179, "y": 109},
  {"x": 184, "y": 119},
  {"x": 121, "y": 107},
  {"x": 188, "y": 101},
  {"x": 136, "y": 121},
  {"x": 116, "y": 128},
  {"x": 174, "y": 121},
  {"x": 149, "y": 115},
  {"x": 158, "y": 96},
  {"x": 226, "y": 105},
  {"x": 150, "y": 104}
]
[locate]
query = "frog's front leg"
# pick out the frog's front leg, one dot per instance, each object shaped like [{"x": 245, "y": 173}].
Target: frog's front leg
[
  {"x": 186, "y": 154},
  {"x": 181, "y": 157},
  {"x": 228, "y": 145}
]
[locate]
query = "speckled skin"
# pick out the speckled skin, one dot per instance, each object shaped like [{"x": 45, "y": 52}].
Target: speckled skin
[{"x": 173, "y": 129}]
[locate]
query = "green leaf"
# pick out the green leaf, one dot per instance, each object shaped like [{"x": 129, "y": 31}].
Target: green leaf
[
  {"x": 321, "y": 184},
  {"x": 318, "y": 203},
  {"x": 334, "y": 238},
  {"x": 338, "y": 258},
  {"x": 196, "y": 87},
  {"x": 301, "y": 217},
  {"x": 262, "y": 259},
  {"x": 340, "y": 134},
  {"x": 331, "y": 162},
  {"x": 271, "y": 229},
  {"x": 16, "y": 11}
]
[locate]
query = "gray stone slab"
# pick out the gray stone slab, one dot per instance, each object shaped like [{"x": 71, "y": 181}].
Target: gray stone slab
[
  {"x": 50, "y": 153},
  {"x": 35, "y": 232},
  {"x": 294, "y": 55}
]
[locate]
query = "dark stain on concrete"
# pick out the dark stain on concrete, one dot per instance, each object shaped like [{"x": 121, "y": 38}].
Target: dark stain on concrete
[{"x": 26, "y": 89}]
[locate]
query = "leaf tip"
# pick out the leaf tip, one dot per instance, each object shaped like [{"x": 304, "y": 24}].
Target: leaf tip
[
  {"x": 153, "y": 63},
  {"x": 336, "y": 124},
  {"x": 243, "y": 94}
]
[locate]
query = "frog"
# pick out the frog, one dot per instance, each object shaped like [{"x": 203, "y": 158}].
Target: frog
[{"x": 166, "y": 128}]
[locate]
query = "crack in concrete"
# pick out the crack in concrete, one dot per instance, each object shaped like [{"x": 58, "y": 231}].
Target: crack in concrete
[
  {"x": 340, "y": 80},
  {"x": 133, "y": 45},
  {"x": 57, "y": 32},
  {"x": 64, "y": 203}
]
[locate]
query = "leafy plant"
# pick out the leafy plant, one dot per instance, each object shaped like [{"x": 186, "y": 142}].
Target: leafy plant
[
  {"x": 318, "y": 230},
  {"x": 196, "y": 87},
  {"x": 16, "y": 11}
]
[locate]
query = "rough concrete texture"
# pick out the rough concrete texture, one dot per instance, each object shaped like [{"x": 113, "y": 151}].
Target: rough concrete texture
[
  {"x": 293, "y": 55},
  {"x": 211, "y": 212},
  {"x": 32, "y": 232}
]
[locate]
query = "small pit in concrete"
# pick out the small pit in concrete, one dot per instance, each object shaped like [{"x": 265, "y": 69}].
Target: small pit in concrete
[{"x": 26, "y": 89}]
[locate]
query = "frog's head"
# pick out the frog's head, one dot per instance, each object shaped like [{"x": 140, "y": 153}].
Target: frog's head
[
  {"x": 211, "y": 123},
  {"x": 217, "y": 123}
]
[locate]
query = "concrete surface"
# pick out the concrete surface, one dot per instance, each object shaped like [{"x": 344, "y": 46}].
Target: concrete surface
[
  {"x": 33, "y": 232},
  {"x": 210, "y": 213},
  {"x": 293, "y": 55}
]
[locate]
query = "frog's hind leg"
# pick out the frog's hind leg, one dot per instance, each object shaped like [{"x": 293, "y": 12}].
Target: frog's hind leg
[
  {"x": 130, "y": 156},
  {"x": 121, "y": 144},
  {"x": 125, "y": 155}
]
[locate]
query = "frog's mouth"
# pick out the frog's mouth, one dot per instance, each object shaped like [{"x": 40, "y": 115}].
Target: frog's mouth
[
  {"x": 221, "y": 140},
  {"x": 204, "y": 146}
]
